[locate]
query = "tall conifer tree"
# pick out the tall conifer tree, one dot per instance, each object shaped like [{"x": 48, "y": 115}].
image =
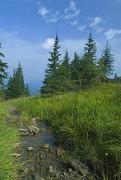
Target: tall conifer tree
[
  {"x": 64, "y": 74},
  {"x": 51, "y": 77},
  {"x": 16, "y": 86},
  {"x": 89, "y": 63},
  {"x": 106, "y": 61},
  {"x": 75, "y": 72}
]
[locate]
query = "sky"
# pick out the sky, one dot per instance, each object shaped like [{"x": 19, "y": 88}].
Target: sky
[{"x": 28, "y": 28}]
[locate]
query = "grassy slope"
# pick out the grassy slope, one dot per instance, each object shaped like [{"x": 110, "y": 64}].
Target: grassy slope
[
  {"x": 90, "y": 120},
  {"x": 8, "y": 136}
]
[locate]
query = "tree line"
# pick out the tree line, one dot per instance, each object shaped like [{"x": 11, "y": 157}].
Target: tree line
[
  {"x": 63, "y": 75},
  {"x": 15, "y": 86}
]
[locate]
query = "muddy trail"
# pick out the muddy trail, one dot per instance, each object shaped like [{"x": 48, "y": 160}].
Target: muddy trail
[{"x": 39, "y": 155}]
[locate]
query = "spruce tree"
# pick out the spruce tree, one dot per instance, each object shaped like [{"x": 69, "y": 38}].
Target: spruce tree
[
  {"x": 9, "y": 91},
  {"x": 90, "y": 48},
  {"x": 64, "y": 74},
  {"x": 16, "y": 86},
  {"x": 19, "y": 81},
  {"x": 51, "y": 78},
  {"x": 3, "y": 67},
  {"x": 106, "y": 62},
  {"x": 75, "y": 72},
  {"x": 88, "y": 63}
]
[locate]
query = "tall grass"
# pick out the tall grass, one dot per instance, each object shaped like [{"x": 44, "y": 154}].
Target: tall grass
[
  {"x": 8, "y": 136},
  {"x": 88, "y": 122}
]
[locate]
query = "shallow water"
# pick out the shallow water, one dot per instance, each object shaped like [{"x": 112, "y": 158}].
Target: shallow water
[
  {"x": 41, "y": 138},
  {"x": 38, "y": 160}
]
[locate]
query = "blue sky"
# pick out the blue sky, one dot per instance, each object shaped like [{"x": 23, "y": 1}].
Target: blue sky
[{"x": 27, "y": 29}]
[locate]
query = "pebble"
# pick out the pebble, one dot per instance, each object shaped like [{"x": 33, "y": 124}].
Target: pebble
[
  {"x": 16, "y": 155},
  {"x": 30, "y": 148}
]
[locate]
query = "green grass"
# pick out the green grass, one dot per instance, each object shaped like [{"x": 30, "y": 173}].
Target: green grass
[
  {"x": 89, "y": 122},
  {"x": 8, "y": 136}
]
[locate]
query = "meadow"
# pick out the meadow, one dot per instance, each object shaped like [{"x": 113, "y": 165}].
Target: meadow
[
  {"x": 88, "y": 123},
  {"x": 8, "y": 137}
]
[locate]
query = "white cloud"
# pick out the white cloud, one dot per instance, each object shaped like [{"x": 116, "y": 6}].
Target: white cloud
[
  {"x": 73, "y": 45},
  {"x": 54, "y": 17},
  {"x": 111, "y": 33},
  {"x": 96, "y": 21},
  {"x": 72, "y": 11},
  {"x": 73, "y": 6},
  {"x": 81, "y": 28},
  {"x": 74, "y": 23},
  {"x": 48, "y": 43},
  {"x": 69, "y": 14},
  {"x": 43, "y": 11},
  {"x": 31, "y": 55}
]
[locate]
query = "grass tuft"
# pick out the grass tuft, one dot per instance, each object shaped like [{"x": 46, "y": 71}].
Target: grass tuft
[{"x": 8, "y": 136}]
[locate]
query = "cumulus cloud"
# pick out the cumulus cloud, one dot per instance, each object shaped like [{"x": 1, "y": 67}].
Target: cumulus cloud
[
  {"x": 43, "y": 11},
  {"x": 96, "y": 21},
  {"x": 48, "y": 43},
  {"x": 111, "y": 33}
]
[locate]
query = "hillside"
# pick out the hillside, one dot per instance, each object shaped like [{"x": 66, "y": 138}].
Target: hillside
[
  {"x": 88, "y": 123},
  {"x": 85, "y": 123}
]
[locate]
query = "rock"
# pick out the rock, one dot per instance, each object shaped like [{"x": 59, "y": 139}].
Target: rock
[
  {"x": 33, "y": 129},
  {"x": 60, "y": 152},
  {"x": 34, "y": 122},
  {"x": 42, "y": 156},
  {"x": 51, "y": 170},
  {"x": 46, "y": 146},
  {"x": 16, "y": 155},
  {"x": 24, "y": 133},
  {"x": 80, "y": 167},
  {"x": 57, "y": 175},
  {"x": 30, "y": 148},
  {"x": 23, "y": 130},
  {"x": 70, "y": 170}
]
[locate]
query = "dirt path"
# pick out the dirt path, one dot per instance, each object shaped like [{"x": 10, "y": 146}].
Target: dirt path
[{"x": 40, "y": 157}]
